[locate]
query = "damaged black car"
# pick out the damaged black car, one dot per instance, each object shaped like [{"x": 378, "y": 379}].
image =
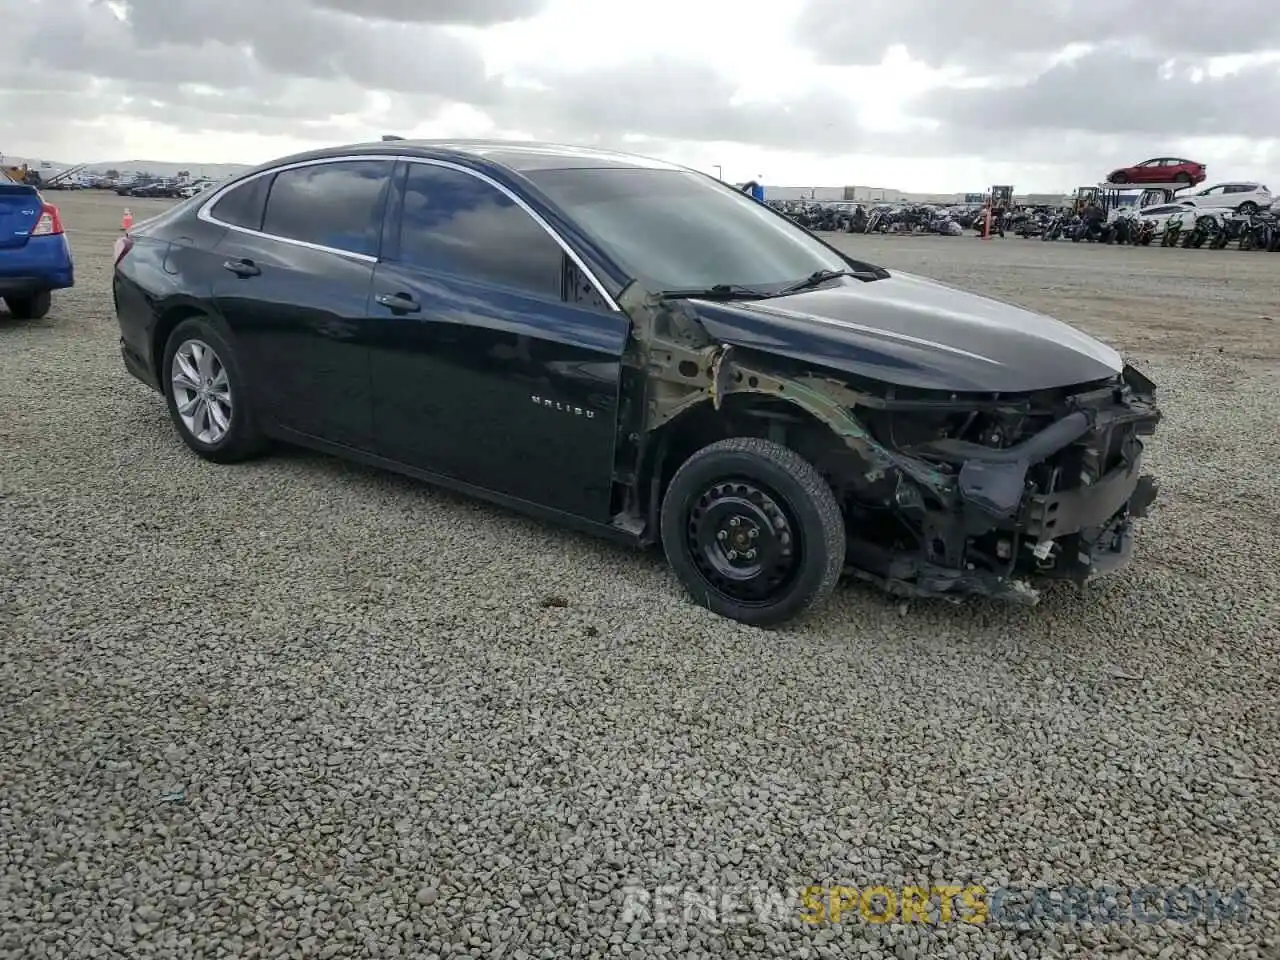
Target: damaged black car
[{"x": 639, "y": 350}]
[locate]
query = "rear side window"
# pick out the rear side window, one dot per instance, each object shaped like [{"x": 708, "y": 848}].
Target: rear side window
[
  {"x": 459, "y": 224},
  {"x": 337, "y": 205},
  {"x": 242, "y": 206}
]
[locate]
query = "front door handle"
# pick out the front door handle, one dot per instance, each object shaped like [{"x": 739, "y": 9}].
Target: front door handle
[
  {"x": 242, "y": 268},
  {"x": 399, "y": 302}
]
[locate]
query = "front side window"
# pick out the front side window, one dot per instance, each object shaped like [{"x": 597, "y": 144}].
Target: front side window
[
  {"x": 457, "y": 223},
  {"x": 337, "y": 205},
  {"x": 679, "y": 230}
]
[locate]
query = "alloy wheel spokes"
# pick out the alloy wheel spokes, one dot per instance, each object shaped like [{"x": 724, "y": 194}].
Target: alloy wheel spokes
[{"x": 202, "y": 392}]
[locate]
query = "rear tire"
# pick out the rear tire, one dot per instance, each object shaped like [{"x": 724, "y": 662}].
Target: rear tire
[
  {"x": 753, "y": 531},
  {"x": 1183, "y": 177},
  {"x": 34, "y": 306},
  {"x": 1248, "y": 208},
  {"x": 208, "y": 394}
]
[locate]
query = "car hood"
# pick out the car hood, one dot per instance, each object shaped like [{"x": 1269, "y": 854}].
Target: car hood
[{"x": 910, "y": 331}]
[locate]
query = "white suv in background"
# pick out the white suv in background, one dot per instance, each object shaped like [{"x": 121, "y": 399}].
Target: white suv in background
[{"x": 1245, "y": 197}]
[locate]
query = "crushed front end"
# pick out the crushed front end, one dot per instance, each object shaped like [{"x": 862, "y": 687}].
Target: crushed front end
[
  {"x": 988, "y": 495},
  {"x": 943, "y": 494}
]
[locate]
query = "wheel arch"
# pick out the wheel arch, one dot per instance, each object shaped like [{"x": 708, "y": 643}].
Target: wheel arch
[
  {"x": 167, "y": 320},
  {"x": 786, "y": 420}
]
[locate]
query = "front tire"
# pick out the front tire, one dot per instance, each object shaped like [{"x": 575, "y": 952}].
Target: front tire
[
  {"x": 208, "y": 395},
  {"x": 34, "y": 306},
  {"x": 753, "y": 531}
]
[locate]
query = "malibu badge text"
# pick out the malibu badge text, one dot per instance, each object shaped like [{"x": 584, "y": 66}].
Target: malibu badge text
[{"x": 563, "y": 407}]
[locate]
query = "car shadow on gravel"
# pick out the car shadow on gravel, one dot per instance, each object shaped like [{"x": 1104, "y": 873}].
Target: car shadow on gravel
[
  {"x": 9, "y": 323},
  {"x": 388, "y": 481}
]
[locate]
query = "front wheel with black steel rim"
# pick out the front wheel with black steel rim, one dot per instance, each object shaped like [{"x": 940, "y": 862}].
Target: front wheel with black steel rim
[
  {"x": 207, "y": 395},
  {"x": 753, "y": 531}
]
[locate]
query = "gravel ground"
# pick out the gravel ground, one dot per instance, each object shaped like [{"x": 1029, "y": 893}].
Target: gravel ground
[{"x": 299, "y": 708}]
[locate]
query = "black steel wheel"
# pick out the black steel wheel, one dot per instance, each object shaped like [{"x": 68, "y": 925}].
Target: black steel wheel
[{"x": 753, "y": 531}]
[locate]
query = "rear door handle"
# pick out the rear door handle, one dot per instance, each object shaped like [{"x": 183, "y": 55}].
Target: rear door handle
[
  {"x": 399, "y": 302},
  {"x": 242, "y": 268}
]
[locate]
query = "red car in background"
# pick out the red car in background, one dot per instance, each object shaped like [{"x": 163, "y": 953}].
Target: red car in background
[{"x": 1160, "y": 170}]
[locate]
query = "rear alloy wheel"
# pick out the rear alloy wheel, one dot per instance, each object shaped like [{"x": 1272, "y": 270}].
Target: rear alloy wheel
[
  {"x": 1183, "y": 177},
  {"x": 208, "y": 399},
  {"x": 753, "y": 531},
  {"x": 34, "y": 306},
  {"x": 1248, "y": 208}
]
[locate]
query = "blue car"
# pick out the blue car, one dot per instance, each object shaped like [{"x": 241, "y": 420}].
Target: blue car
[{"x": 35, "y": 258}]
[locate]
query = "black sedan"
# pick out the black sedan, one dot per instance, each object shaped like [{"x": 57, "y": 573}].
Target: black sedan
[{"x": 639, "y": 350}]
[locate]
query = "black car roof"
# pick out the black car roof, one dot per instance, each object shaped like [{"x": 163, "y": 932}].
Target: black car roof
[{"x": 520, "y": 156}]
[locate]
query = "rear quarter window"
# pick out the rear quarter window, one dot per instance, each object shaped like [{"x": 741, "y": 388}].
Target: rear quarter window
[{"x": 243, "y": 204}]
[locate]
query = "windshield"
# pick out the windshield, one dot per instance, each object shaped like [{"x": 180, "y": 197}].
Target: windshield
[{"x": 678, "y": 230}]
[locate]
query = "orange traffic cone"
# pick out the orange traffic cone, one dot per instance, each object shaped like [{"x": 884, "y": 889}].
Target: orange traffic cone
[{"x": 127, "y": 220}]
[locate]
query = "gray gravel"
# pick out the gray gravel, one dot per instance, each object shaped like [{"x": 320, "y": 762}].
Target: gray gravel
[{"x": 299, "y": 708}]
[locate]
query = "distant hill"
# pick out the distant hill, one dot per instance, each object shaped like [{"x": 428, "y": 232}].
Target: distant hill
[
  {"x": 214, "y": 171},
  {"x": 157, "y": 168}
]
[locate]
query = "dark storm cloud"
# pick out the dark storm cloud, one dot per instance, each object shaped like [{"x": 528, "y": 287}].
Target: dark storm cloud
[
  {"x": 90, "y": 41},
  {"x": 244, "y": 45},
  {"x": 980, "y": 35},
  {"x": 1159, "y": 99},
  {"x": 298, "y": 38},
  {"x": 671, "y": 99}
]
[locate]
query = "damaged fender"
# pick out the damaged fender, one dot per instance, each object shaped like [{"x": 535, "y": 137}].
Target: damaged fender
[{"x": 686, "y": 368}]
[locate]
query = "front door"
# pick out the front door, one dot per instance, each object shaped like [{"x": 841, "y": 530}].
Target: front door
[
  {"x": 296, "y": 294},
  {"x": 485, "y": 367}
]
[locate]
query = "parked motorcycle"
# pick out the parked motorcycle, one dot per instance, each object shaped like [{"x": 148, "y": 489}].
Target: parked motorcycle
[
  {"x": 1053, "y": 229},
  {"x": 1092, "y": 231},
  {"x": 1259, "y": 233},
  {"x": 1173, "y": 231},
  {"x": 1123, "y": 228},
  {"x": 1209, "y": 230}
]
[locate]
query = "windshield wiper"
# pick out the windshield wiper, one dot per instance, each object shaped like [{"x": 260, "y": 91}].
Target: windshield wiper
[
  {"x": 822, "y": 276},
  {"x": 721, "y": 291}
]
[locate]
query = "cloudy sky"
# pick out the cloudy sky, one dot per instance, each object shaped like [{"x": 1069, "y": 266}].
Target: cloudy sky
[{"x": 912, "y": 94}]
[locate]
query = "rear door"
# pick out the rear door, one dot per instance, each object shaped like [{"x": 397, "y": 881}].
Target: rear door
[
  {"x": 19, "y": 213},
  {"x": 494, "y": 360},
  {"x": 294, "y": 288}
]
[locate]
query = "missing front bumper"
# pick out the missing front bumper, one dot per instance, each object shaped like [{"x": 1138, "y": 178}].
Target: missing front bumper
[{"x": 1001, "y": 537}]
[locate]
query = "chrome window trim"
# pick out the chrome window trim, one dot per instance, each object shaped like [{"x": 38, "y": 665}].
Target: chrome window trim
[{"x": 204, "y": 213}]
